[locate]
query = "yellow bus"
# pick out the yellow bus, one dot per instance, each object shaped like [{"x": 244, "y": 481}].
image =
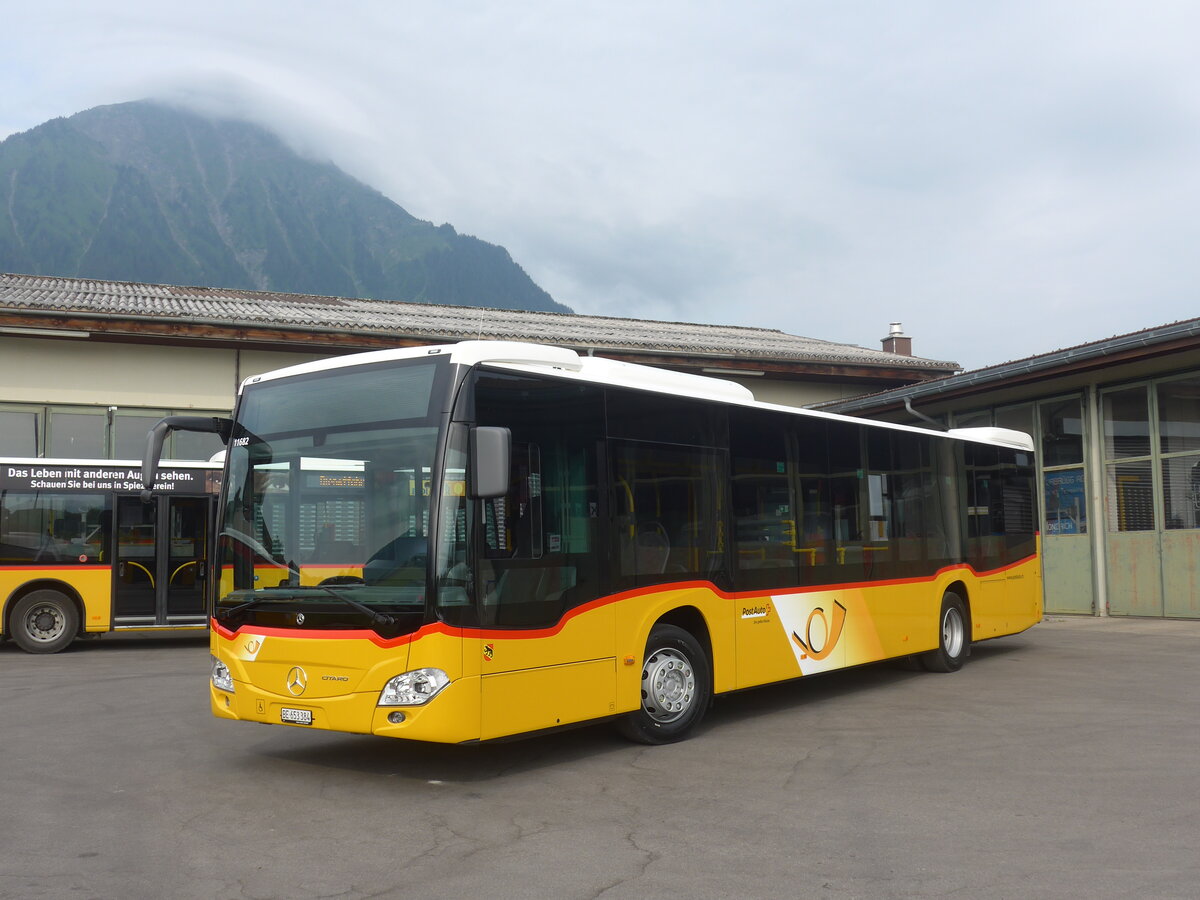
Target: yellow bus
[
  {"x": 470, "y": 542},
  {"x": 81, "y": 553}
]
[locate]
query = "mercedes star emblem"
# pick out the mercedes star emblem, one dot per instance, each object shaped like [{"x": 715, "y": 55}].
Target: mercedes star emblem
[{"x": 297, "y": 681}]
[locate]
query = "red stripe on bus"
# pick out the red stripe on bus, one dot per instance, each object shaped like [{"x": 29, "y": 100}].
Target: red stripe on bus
[
  {"x": 534, "y": 633},
  {"x": 329, "y": 634},
  {"x": 73, "y": 567}
]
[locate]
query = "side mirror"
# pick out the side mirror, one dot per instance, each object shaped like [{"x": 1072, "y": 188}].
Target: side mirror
[
  {"x": 491, "y": 450},
  {"x": 157, "y": 435}
]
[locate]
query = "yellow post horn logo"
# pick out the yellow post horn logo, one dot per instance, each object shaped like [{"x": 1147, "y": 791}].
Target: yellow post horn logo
[{"x": 832, "y": 632}]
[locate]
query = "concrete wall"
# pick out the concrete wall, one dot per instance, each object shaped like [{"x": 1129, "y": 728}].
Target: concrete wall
[{"x": 47, "y": 371}]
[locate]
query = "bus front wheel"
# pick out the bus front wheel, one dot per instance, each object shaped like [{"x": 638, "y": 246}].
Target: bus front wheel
[
  {"x": 676, "y": 688},
  {"x": 954, "y": 641},
  {"x": 44, "y": 622}
]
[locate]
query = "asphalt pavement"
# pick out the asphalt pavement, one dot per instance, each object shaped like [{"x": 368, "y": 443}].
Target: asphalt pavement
[{"x": 1060, "y": 763}]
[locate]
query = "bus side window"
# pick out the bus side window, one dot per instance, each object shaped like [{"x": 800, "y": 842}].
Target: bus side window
[
  {"x": 513, "y": 523},
  {"x": 537, "y": 544},
  {"x": 770, "y": 541},
  {"x": 985, "y": 509},
  {"x": 669, "y": 522}
]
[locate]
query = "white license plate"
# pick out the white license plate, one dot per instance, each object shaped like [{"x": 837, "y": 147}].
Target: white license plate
[{"x": 296, "y": 716}]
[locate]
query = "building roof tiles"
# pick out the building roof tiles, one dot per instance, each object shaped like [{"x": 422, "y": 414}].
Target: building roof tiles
[{"x": 117, "y": 300}]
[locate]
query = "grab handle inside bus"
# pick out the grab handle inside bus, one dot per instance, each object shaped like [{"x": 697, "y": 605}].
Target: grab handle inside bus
[
  {"x": 157, "y": 435},
  {"x": 491, "y": 450}
]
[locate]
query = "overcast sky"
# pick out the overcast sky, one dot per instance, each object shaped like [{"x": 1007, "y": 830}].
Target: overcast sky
[{"x": 1005, "y": 179}]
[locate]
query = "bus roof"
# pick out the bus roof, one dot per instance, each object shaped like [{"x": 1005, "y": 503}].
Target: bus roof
[{"x": 546, "y": 359}]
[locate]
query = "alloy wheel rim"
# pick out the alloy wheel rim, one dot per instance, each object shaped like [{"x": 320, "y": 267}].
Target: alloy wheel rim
[
  {"x": 952, "y": 632},
  {"x": 668, "y": 686},
  {"x": 45, "y": 623}
]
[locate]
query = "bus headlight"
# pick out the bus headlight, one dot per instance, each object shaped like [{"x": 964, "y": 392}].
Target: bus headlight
[
  {"x": 413, "y": 688},
  {"x": 221, "y": 678}
]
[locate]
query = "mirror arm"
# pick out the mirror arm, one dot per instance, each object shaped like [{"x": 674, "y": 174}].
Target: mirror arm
[{"x": 157, "y": 436}]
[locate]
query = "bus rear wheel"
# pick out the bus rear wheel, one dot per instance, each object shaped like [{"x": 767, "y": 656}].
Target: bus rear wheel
[
  {"x": 954, "y": 641},
  {"x": 676, "y": 688},
  {"x": 44, "y": 622}
]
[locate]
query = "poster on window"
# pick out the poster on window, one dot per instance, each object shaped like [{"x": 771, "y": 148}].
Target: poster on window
[{"x": 1066, "y": 502}]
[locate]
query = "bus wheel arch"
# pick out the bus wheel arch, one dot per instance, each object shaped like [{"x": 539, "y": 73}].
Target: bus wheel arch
[
  {"x": 954, "y": 632},
  {"x": 43, "y": 617},
  {"x": 676, "y": 682}
]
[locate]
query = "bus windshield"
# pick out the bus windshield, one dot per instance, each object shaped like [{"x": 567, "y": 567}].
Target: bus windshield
[{"x": 327, "y": 516}]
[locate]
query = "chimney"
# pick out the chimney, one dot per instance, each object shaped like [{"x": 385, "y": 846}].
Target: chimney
[{"x": 896, "y": 341}]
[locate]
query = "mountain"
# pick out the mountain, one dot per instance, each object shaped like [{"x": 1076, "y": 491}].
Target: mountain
[{"x": 145, "y": 192}]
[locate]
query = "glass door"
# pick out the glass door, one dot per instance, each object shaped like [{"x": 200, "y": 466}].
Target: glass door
[
  {"x": 161, "y": 561},
  {"x": 135, "y": 575},
  {"x": 187, "y": 558}
]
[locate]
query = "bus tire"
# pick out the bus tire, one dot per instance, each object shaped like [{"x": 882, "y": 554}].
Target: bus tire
[
  {"x": 954, "y": 640},
  {"x": 676, "y": 688},
  {"x": 44, "y": 621}
]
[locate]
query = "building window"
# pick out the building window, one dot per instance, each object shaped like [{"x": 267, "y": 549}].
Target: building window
[
  {"x": 81, "y": 432},
  {"x": 1179, "y": 415},
  {"x": 78, "y": 435},
  {"x": 20, "y": 432},
  {"x": 1062, "y": 433},
  {"x": 129, "y": 430},
  {"x": 1126, "y": 424},
  {"x": 978, "y": 418},
  {"x": 1018, "y": 418},
  {"x": 1181, "y": 491},
  {"x": 1179, "y": 443},
  {"x": 189, "y": 445},
  {"x": 1063, "y": 476},
  {"x": 1128, "y": 470},
  {"x": 1130, "y": 496}
]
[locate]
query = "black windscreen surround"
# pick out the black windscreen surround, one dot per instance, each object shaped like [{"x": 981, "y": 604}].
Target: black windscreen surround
[
  {"x": 357, "y": 396},
  {"x": 331, "y": 497}
]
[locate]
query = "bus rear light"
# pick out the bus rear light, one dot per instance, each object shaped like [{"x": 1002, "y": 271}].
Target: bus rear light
[
  {"x": 413, "y": 688},
  {"x": 221, "y": 678}
]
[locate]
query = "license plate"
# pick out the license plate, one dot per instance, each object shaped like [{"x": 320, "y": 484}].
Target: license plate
[{"x": 296, "y": 716}]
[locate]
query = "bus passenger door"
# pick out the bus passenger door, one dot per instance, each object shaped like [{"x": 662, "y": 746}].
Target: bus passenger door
[
  {"x": 135, "y": 575},
  {"x": 186, "y": 549},
  {"x": 161, "y": 561}
]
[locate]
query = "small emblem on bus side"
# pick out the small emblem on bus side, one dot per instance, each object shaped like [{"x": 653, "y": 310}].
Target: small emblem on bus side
[
  {"x": 489, "y": 650},
  {"x": 299, "y": 618}
]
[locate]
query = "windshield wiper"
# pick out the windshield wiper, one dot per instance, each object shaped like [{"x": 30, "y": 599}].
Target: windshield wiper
[
  {"x": 375, "y": 616},
  {"x": 243, "y": 607}
]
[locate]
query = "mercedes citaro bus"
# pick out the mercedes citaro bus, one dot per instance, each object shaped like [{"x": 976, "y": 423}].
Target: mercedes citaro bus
[{"x": 474, "y": 541}]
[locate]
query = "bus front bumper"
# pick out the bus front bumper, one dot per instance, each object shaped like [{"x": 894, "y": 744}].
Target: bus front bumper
[{"x": 451, "y": 717}]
